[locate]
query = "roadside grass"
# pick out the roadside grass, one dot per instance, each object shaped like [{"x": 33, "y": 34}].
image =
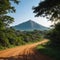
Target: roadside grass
[{"x": 51, "y": 52}]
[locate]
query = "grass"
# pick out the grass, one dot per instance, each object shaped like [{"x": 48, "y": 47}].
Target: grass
[{"x": 49, "y": 52}]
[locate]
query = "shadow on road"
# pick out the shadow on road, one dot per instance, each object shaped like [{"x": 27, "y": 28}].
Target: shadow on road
[{"x": 34, "y": 56}]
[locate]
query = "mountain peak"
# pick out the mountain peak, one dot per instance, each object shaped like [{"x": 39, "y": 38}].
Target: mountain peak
[
  {"x": 30, "y": 20},
  {"x": 29, "y": 26}
]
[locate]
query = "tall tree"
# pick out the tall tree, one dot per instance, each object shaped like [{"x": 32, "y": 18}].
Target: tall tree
[
  {"x": 49, "y": 9},
  {"x": 5, "y": 8}
]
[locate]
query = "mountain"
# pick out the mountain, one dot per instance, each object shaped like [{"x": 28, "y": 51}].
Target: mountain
[{"x": 29, "y": 26}]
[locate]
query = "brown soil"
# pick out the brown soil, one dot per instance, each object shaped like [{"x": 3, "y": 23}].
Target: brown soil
[{"x": 25, "y": 52}]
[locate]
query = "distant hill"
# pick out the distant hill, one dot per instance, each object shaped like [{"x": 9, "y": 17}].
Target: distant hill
[{"x": 29, "y": 26}]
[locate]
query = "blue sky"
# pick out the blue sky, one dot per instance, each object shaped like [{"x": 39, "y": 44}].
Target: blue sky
[{"x": 24, "y": 13}]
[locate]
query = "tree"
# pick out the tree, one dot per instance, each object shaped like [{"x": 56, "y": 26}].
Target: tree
[
  {"x": 54, "y": 36},
  {"x": 49, "y": 9},
  {"x": 5, "y": 8}
]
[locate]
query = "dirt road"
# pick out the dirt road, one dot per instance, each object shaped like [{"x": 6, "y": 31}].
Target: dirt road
[{"x": 25, "y": 52}]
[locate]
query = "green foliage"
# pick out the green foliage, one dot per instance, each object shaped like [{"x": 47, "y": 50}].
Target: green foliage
[
  {"x": 51, "y": 52},
  {"x": 10, "y": 37},
  {"x": 6, "y": 34},
  {"x": 54, "y": 36},
  {"x": 49, "y": 9},
  {"x": 3, "y": 39},
  {"x": 32, "y": 35},
  {"x": 5, "y": 8}
]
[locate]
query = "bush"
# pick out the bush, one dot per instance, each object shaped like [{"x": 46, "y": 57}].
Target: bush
[{"x": 54, "y": 36}]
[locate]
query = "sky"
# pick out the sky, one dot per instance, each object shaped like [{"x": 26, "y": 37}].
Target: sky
[{"x": 24, "y": 13}]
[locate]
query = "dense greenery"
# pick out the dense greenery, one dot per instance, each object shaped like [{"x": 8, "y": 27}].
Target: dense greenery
[
  {"x": 48, "y": 51},
  {"x": 8, "y": 38},
  {"x": 11, "y": 37},
  {"x": 51, "y": 10},
  {"x": 5, "y": 33},
  {"x": 5, "y": 8},
  {"x": 54, "y": 36}
]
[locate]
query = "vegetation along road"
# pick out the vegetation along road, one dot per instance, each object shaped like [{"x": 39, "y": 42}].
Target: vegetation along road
[{"x": 25, "y": 52}]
